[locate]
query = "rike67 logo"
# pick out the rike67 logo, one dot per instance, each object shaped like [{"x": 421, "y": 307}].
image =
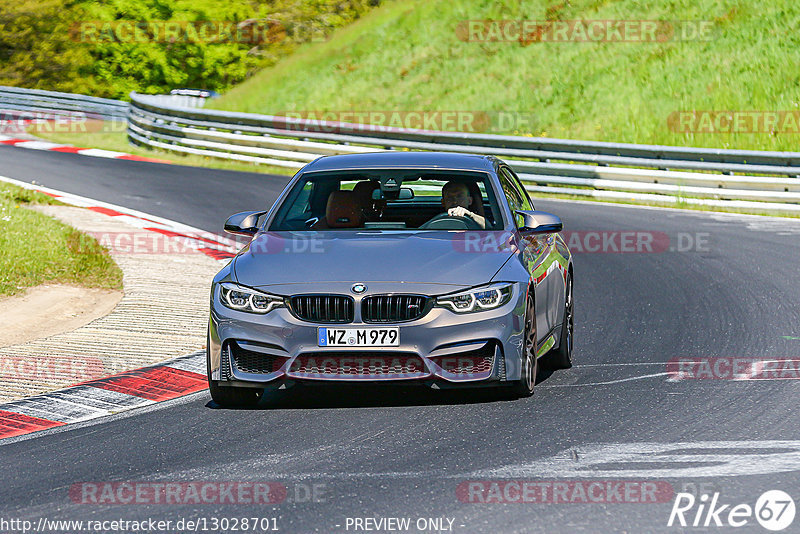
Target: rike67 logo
[{"x": 774, "y": 510}]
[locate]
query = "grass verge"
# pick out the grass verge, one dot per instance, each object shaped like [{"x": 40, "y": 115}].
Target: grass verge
[{"x": 35, "y": 248}]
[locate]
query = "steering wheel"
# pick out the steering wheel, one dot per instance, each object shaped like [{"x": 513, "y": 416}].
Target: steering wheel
[{"x": 443, "y": 221}]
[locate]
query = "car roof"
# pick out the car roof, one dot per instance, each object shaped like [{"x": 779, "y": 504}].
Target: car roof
[{"x": 403, "y": 160}]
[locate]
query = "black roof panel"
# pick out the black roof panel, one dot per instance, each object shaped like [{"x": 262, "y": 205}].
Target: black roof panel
[{"x": 390, "y": 158}]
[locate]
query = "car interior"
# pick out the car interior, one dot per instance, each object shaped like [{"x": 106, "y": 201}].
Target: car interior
[{"x": 384, "y": 201}]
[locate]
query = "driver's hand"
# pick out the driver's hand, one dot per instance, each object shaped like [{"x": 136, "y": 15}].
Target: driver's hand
[{"x": 459, "y": 211}]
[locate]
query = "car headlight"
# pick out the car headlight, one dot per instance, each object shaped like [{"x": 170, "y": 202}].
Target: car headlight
[
  {"x": 245, "y": 299},
  {"x": 478, "y": 299}
]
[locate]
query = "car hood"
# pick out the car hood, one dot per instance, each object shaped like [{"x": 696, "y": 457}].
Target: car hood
[{"x": 430, "y": 257}]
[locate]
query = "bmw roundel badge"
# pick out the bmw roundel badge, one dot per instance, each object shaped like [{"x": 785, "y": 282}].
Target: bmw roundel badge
[{"x": 358, "y": 288}]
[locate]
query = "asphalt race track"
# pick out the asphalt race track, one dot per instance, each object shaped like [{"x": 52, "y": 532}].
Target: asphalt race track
[{"x": 348, "y": 453}]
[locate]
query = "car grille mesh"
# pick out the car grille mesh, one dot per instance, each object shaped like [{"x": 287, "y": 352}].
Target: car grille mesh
[
  {"x": 248, "y": 361},
  {"x": 475, "y": 362},
  {"x": 225, "y": 364},
  {"x": 358, "y": 365},
  {"x": 501, "y": 367},
  {"x": 393, "y": 308},
  {"x": 323, "y": 308}
]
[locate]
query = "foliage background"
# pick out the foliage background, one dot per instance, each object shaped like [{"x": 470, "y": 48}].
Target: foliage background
[{"x": 39, "y": 50}]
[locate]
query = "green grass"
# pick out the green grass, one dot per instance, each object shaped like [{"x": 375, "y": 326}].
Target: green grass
[
  {"x": 35, "y": 248},
  {"x": 118, "y": 141},
  {"x": 406, "y": 55}
]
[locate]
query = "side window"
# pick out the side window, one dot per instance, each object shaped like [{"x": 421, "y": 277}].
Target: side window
[
  {"x": 526, "y": 199},
  {"x": 512, "y": 194}
]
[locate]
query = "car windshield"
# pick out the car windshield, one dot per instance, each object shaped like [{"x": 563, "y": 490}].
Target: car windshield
[{"x": 390, "y": 200}]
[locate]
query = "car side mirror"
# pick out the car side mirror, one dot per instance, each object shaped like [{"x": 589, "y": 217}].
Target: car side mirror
[
  {"x": 539, "y": 222},
  {"x": 243, "y": 223}
]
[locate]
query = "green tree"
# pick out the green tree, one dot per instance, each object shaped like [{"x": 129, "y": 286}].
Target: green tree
[{"x": 79, "y": 45}]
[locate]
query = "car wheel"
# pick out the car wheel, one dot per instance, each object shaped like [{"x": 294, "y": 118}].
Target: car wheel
[
  {"x": 562, "y": 357},
  {"x": 231, "y": 397},
  {"x": 524, "y": 386}
]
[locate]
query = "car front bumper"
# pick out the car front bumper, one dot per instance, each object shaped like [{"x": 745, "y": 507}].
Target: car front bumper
[{"x": 442, "y": 347}]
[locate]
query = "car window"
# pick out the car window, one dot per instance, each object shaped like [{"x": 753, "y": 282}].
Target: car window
[
  {"x": 526, "y": 198},
  {"x": 387, "y": 200},
  {"x": 516, "y": 201},
  {"x": 303, "y": 202}
]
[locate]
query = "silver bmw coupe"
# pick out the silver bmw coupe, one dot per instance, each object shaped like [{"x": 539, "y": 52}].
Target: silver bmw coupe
[{"x": 392, "y": 267}]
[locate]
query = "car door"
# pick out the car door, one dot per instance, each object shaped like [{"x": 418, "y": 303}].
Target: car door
[
  {"x": 553, "y": 284},
  {"x": 533, "y": 248}
]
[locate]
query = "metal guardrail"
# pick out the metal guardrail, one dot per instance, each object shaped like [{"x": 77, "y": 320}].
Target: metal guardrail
[
  {"x": 609, "y": 170},
  {"x": 179, "y": 100},
  {"x": 35, "y": 104},
  {"x": 766, "y": 181}
]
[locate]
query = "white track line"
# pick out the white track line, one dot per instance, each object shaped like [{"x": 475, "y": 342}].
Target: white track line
[{"x": 629, "y": 379}]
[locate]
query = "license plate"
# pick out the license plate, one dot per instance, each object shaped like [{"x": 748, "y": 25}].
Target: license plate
[{"x": 358, "y": 337}]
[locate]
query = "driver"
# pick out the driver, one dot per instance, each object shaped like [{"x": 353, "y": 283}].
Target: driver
[{"x": 456, "y": 199}]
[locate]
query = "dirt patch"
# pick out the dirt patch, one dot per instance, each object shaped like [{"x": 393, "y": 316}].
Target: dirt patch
[{"x": 51, "y": 309}]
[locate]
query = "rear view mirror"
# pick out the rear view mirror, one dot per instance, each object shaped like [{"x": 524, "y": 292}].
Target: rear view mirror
[
  {"x": 243, "y": 223},
  {"x": 406, "y": 193},
  {"x": 539, "y": 222}
]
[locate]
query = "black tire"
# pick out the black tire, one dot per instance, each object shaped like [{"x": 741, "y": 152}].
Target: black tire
[
  {"x": 562, "y": 356},
  {"x": 530, "y": 366},
  {"x": 230, "y": 397}
]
